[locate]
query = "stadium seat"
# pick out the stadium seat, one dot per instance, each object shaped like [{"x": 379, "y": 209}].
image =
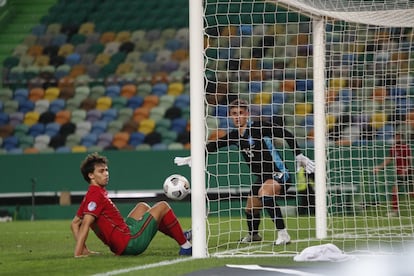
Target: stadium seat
[
  {"x": 136, "y": 138},
  {"x": 115, "y": 126},
  {"x": 6, "y": 94},
  {"x": 83, "y": 128},
  {"x": 63, "y": 117},
  {"x": 118, "y": 102},
  {"x": 41, "y": 142},
  {"x": 31, "y": 118},
  {"x": 141, "y": 113},
  {"x": 20, "y": 94},
  {"x": 159, "y": 89},
  {"x": 89, "y": 140},
  {"x": 25, "y": 106},
  {"x": 72, "y": 140},
  {"x": 120, "y": 140},
  {"x": 36, "y": 129},
  {"x": 103, "y": 103},
  {"x": 179, "y": 125},
  {"x": 99, "y": 127},
  {"x": 105, "y": 140},
  {"x": 146, "y": 126},
  {"x": 109, "y": 114},
  {"x": 63, "y": 149},
  {"x": 20, "y": 130},
  {"x": 16, "y": 118},
  {"x": 79, "y": 148},
  {"x": 51, "y": 93},
  {"x": 128, "y": 90},
  {"x": 10, "y": 142},
  {"x": 36, "y": 94},
  {"x": 57, "y": 105},
  {"x": 52, "y": 129},
  {"x": 151, "y": 101},
  {"x": 113, "y": 90},
  {"x": 26, "y": 141},
  {"x": 41, "y": 106},
  {"x": 182, "y": 101},
  {"x": 157, "y": 113},
  {"x": 175, "y": 88},
  {"x": 10, "y": 106}
]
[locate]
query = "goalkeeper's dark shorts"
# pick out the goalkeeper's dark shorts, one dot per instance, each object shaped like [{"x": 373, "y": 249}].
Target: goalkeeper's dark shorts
[
  {"x": 282, "y": 179},
  {"x": 142, "y": 233}
]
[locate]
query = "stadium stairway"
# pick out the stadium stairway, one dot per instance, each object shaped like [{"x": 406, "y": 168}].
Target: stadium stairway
[{"x": 19, "y": 17}]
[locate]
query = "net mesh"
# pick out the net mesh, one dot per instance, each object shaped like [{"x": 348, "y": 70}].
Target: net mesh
[{"x": 262, "y": 51}]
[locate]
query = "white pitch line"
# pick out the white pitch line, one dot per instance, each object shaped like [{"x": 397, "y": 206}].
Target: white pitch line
[
  {"x": 142, "y": 267},
  {"x": 272, "y": 269}
]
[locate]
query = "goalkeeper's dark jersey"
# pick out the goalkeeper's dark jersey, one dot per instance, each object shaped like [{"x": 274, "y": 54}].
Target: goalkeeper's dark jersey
[{"x": 257, "y": 147}]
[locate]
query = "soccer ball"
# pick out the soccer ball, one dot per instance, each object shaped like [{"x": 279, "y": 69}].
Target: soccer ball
[{"x": 176, "y": 187}]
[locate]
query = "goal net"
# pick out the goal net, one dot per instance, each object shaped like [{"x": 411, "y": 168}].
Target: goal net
[{"x": 265, "y": 53}]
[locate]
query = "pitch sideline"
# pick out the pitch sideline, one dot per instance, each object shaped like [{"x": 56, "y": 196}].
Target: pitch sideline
[{"x": 142, "y": 267}]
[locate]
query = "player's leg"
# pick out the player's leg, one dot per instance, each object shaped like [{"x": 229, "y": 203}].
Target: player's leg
[
  {"x": 268, "y": 192},
  {"x": 170, "y": 226},
  {"x": 139, "y": 210},
  {"x": 252, "y": 212}
]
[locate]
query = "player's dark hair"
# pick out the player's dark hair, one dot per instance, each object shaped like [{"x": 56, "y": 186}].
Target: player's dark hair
[
  {"x": 88, "y": 164},
  {"x": 239, "y": 103}
]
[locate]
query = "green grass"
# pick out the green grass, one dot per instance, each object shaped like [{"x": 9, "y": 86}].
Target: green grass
[{"x": 46, "y": 247}]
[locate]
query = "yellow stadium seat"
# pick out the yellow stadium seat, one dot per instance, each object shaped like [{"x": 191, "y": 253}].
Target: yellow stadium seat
[
  {"x": 330, "y": 121},
  {"x": 262, "y": 98},
  {"x": 303, "y": 108},
  {"x": 31, "y": 118},
  {"x": 378, "y": 120},
  {"x": 51, "y": 93},
  {"x": 146, "y": 126},
  {"x": 175, "y": 88},
  {"x": 79, "y": 148},
  {"x": 103, "y": 103}
]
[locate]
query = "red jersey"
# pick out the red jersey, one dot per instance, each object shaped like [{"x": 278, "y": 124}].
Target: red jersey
[
  {"x": 402, "y": 157},
  {"x": 109, "y": 224}
]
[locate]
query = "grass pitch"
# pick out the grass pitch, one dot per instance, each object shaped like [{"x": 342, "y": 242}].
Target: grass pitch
[{"x": 45, "y": 247}]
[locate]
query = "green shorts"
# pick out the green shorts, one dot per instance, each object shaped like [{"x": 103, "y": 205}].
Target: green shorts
[{"x": 142, "y": 233}]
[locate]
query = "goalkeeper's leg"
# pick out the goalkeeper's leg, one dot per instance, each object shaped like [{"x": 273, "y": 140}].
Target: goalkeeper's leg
[
  {"x": 252, "y": 212},
  {"x": 268, "y": 192}
]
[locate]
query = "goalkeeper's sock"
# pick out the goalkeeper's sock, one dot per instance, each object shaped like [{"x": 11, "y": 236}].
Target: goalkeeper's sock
[
  {"x": 170, "y": 226},
  {"x": 273, "y": 209},
  {"x": 253, "y": 222}
]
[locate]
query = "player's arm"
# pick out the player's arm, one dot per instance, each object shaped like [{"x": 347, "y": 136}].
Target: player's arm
[
  {"x": 301, "y": 160},
  {"x": 80, "y": 229},
  {"x": 382, "y": 165}
]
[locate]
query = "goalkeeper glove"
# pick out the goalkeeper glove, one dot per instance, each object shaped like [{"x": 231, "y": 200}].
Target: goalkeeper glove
[
  {"x": 181, "y": 161},
  {"x": 305, "y": 162}
]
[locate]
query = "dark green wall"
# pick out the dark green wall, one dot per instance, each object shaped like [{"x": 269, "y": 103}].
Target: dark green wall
[{"x": 129, "y": 170}]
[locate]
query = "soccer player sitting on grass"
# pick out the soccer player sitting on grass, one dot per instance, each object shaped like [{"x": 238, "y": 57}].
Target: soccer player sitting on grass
[
  {"x": 255, "y": 142},
  {"x": 124, "y": 237}
]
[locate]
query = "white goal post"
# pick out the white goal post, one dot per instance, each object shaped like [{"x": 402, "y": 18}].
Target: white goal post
[{"x": 337, "y": 74}]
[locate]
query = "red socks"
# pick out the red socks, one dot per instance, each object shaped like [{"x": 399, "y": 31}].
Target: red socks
[
  {"x": 170, "y": 226},
  {"x": 394, "y": 198}
]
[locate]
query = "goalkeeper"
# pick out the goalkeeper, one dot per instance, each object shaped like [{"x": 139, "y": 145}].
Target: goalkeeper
[{"x": 255, "y": 141}]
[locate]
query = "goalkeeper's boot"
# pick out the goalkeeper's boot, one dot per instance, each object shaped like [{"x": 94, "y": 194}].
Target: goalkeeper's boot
[
  {"x": 282, "y": 237},
  {"x": 251, "y": 238},
  {"x": 188, "y": 235},
  {"x": 185, "y": 251}
]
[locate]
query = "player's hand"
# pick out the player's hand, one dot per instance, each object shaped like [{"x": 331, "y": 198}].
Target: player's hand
[
  {"x": 181, "y": 161},
  {"x": 305, "y": 162}
]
